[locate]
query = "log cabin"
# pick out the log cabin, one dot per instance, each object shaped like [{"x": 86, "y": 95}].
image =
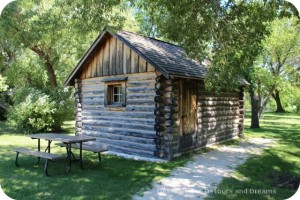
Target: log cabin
[{"x": 142, "y": 96}]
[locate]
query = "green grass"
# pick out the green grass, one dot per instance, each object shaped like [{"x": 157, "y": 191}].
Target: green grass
[
  {"x": 118, "y": 178},
  {"x": 115, "y": 178},
  {"x": 276, "y": 171}
]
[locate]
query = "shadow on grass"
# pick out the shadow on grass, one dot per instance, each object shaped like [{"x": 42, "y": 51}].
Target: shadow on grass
[
  {"x": 273, "y": 175},
  {"x": 115, "y": 178}
]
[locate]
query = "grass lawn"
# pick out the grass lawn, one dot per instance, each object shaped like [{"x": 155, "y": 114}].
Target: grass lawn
[
  {"x": 276, "y": 173},
  {"x": 116, "y": 178}
]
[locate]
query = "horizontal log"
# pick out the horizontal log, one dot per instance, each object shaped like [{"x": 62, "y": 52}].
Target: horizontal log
[
  {"x": 218, "y": 103},
  {"x": 159, "y": 153},
  {"x": 159, "y": 105},
  {"x": 92, "y": 87},
  {"x": 130, "y": 151},
  {"x": 78, "y": 105},
  {"x": 147, "y": 102},
  {"x": 140, "y": 108},
  {"x": 95, "y": 97},
  {"x": 140, "y": 90},
  {"x": 92, "y": 92},
  {"x": 216, "y": 131},
  {"x": 161, "y": 112},
  {"x": 169, "y": 95},
  {"x": 215, "y": 139},
  {"x": 92, "y": 102},
  {"x": 145, "y": 83},
  {"x": 127, "y": 144},
  {"x": 216, "y": 119},
  {"x": 141, "y": 96},
  {"x": 217, "y": 108},
  {"x": 119, "y": 137},
  {"x": 214, "y": 94},
  {"x": 207, "y": 98},
  {"x": 121, "y": 119},
  {"x": 132, "y": 114},
  {"x": 217, "y": 113},
  {"x": 226, "y": 134},
  {"x": 117, "y": 124},
  {"x": 121, "y": 131},
  {"x": 219, "y": 122},
  {"x": 160, "y": 120},
  {"x": 94, "y": 107}
]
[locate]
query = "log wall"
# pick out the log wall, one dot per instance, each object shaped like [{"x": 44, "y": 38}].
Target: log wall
[
  {"x": 124, "y": 129},
  {"x": 78, "y": 103},
  {"x": 218, "y": 116},
  {"x": 166, "y": 125}
]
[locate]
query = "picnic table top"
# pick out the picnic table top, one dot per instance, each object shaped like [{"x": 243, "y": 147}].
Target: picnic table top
[{"x": 62, "y": 137}]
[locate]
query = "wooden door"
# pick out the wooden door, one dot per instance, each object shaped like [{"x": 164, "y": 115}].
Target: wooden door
[{"x": 187, "y": 113}]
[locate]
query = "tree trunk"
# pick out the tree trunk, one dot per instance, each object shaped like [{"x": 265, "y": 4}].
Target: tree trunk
[
  {"x": 255, "y": 108},
  {"x": 276, "y": 97},
  {"x": 48, "y": 65}
]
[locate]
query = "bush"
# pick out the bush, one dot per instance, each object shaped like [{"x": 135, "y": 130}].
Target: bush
[{"x": 40, "y": 111}]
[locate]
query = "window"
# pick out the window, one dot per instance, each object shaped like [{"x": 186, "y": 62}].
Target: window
[{"x": 115, "y": 92}]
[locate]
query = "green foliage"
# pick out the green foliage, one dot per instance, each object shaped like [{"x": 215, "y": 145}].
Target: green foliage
[
  {"x": 36, "y": 111},
  {"x": 228, "y": 33},
  {"x": 277, "y": 67},
  {"x": 41, "y": 42},
  {"x": 3, "y": 86}
]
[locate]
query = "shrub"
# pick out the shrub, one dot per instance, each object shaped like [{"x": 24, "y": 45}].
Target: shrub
[{"x": 40, "y": 111}]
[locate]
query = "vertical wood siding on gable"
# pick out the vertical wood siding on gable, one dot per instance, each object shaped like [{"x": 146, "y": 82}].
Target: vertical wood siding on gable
[{"x": 115, "y": 58}]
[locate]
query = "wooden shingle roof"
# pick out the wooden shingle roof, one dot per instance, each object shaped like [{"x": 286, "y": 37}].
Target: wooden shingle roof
[
  {"x": 168, "y": 58},
  {"x": 165, "y": 57}
]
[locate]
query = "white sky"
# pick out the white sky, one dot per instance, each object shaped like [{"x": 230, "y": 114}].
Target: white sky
[{"x": 3, "y": 3}]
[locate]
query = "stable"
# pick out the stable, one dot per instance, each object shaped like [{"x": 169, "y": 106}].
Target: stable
[{"x": 142, "y": 96}]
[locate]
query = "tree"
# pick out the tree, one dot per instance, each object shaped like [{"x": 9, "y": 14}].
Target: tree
[
  {"x": 41, "y": 41},
  {"x": 229, "y": 33},
  {"x": 281, "y": 55}
]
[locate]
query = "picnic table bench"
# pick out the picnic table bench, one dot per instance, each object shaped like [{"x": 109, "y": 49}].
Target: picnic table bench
[
  {"x": 39, "y": 154},
  {"x": 67, "y": 140},
  {"x": 89, "y": 146}
]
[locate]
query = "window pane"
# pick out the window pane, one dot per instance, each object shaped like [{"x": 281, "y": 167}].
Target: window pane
[{"x": 117, "y": 94}]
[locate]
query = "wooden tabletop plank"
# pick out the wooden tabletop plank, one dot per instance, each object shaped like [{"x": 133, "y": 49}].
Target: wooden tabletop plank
[{"x": 61, "y": 137}]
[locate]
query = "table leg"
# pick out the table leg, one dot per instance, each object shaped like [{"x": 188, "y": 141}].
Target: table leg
[
  {"x": 80, "y": 159},
  {"x": 69, "y": 156},
  {"x": 48, "y": 147},
  {"x": 39, "y": 149}
]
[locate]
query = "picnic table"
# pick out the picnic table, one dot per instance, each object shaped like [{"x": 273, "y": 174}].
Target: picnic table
[{"x": 67, "y": 140}]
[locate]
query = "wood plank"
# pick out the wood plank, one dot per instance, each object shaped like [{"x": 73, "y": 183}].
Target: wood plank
[
  {"x": 142, "y": 65},
  {"x": 113, "y": 55},
  {"x": 94, "y": 66},
  {"x": 126, "y": 60},
  {"x": 150, "y": 68},
  {"x": 100, "y": 62},
  {"x": 106, "y": 60},
  {"x": 120, "y": 69},
  {"x": 49, "y": 156},
  {"x": 134, "y": 62},
  {"x": 82, "y": 76}
]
